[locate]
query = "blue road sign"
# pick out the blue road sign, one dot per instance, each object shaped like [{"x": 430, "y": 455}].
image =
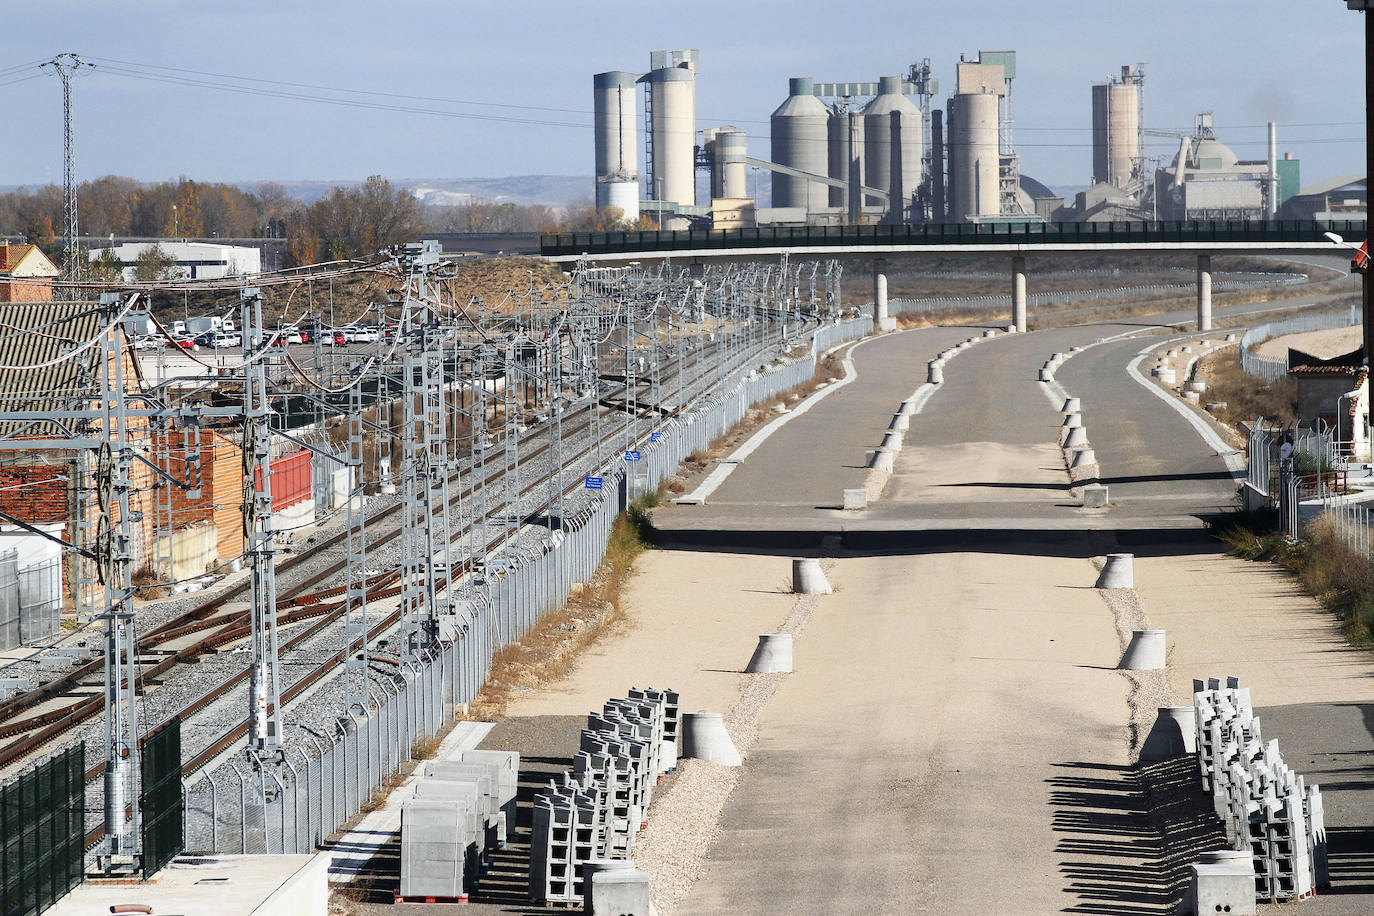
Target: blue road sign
[
  {"x": 593, "y": 483},
  {"x": 632, "y": 456},
  {"x": 654, "y": 437}
]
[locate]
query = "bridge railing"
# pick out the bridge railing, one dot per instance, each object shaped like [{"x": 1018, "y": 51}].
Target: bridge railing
[{"x": 972, "y": 234}]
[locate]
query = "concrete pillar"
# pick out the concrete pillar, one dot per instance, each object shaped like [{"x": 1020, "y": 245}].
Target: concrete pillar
[
  {"x": 705, "y": 738},
  {"x": 881, "y": 321},
  {"x": 1117, "y": 572},
  {"x": 1146, "y": 651},
  {"x": 1018, "y": 293},
  {"x": 1204, "y": 292},
  {"x": 773, "y": 655}
]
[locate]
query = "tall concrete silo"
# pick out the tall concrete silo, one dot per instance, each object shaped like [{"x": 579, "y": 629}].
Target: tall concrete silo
[
  {"x": 798, "y": 128},
  {"x": 729, "y": 177},
  {"x": 893, "y": 146},
  {"x": 673, "y": 130},
  {"x": 973, "y": 156},
  {"x": 845, "y": 136},
  {"x": 1116, "y": 128},
  {"x": 617, "y": 156}
]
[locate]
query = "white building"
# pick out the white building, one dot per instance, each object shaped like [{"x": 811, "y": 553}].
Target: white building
[{"x": 194, "y": 260}]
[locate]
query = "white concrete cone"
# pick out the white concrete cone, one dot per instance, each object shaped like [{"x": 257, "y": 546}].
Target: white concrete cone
[
  {"x": 1082, "y": 457},
  {"x": 882, "y": 460},
  {"x": 1057, "y": 359},
  {"x": 774, "y": 655},
  {"x": 1072, "y": 420},
  {"x": 892, "y": 441},
  {"x": 1230, "y": 338},
  {"x": 1117, "y": 572},
  {"x": 900, "y": 423},
  {"x": 1046, "y": 374},
  {"x": 705, "y": 738},
  {"x": 935, "y": 372},
  {"x": 808, "y": 578},
  {"x": 1071, "y": 405},
  {"x": 1174, "y": 734},
  {"x": 1145, "y": 652},
  {"x": 1011, "y": 329},
  {"x": 1077, "y": 438},
  {"x": 908, "y": 407},
  {"x": 989, "y": 334}
]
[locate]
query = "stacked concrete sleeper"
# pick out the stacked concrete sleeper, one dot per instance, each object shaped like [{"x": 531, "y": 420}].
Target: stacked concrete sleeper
[
  {"x": 595, "y": 812},
  {"x": 461, "y": 811},
  {"x": 1268, "y": 810}
]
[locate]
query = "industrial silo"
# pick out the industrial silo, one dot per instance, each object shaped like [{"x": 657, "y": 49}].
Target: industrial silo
[
  {"x": 798, "y": 129},
  {"x": 1116, "y": 128},
  {"x": 729, "y": 176},
  {"x": 892, "y": 146},
  {"x": 973, "y": 156},
  {"x": 845, "y": 142},
  {"x": 617, "y": 157},
  {"x": 672, "y": 133}
]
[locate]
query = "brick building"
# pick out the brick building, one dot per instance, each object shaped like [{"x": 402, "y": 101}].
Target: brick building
[{"x": 26, "y": 274}]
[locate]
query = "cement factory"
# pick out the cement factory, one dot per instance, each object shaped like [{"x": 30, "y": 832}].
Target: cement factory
[{"x": 849, "y": 153}]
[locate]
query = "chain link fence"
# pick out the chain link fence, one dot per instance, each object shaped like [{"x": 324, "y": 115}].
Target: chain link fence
[{"x": 30, "y": 601}]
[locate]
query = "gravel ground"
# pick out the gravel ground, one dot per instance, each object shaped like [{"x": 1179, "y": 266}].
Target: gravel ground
[{"x": 1149, "y": 689}]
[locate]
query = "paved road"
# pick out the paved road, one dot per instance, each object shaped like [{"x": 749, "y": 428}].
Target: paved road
[{"x": 954, "y": 739}]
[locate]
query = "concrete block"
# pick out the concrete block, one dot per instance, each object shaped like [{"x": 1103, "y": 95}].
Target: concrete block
[
  {"x": 1174, "y": 734},
  {"x": 1185, "y": 349},
  {"x": 1230, "y": 338},
  {"x": 1191, "y": 397},
  {"x": 808, "y": 578},
  {"x": 1197, "y": 385},
  {"x": 1222, "y": 887},
  {"x": 620, "y": 893},
  {"x": 1082, "y": 458},
  {"x": 1072, "y": 419},
  {"x": 868, "y": 456},
  {"x": 1171, "y": 353},
  {"x": 887, "y": 324},
  {"x": 16, "y": 683},
  {"x": 1117, "y": 572},
  {"x": 855, "y": 498},
  {"x": 989, "y": 334},
  {"x": 667, "y": 755},
  {"x": 882, "y": 460},
  {"x": 1094, "y": 496},
  {"x": 1145, "y": 652},
  {"x": 596, "y": 866},
  {"x": 1011, "y": 329},
  {"x": 908, "y": 407},
  {"x": 1076, "y": 438},
  {"x": 900, "y": 423},
  {"x": 1071, "y": 405},
  {"x": 705, "y": 738},
  {"x": 1046, "y": 374},
  {"x": 935, "y": 372},
  {"x": 892, "y": 441},
  {"x": 773, "y": 655}
]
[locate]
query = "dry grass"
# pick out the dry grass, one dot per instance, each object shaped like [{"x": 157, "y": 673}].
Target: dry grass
[
  {"x": 1245, "y": 396},
  {"x": 424, "y": 748},
  {"x": 1341, "y": 578},
  {"x": 379, "y": 794},
  {"x": 549, "y": 652}
]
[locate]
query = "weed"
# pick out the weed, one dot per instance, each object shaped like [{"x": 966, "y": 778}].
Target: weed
[{"x": 424, "y": 748}]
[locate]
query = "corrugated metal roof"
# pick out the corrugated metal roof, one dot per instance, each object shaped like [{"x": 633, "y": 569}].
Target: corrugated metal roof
[{"x": 35, "y": 333}]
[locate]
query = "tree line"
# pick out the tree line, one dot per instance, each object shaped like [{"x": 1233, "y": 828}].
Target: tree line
[{"x": 348, "y": 222}]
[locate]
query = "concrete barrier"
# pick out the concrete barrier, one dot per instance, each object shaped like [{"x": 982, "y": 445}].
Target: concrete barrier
[
  {"x": 808, "y": 578},
  {"x": 1174, "y": 734},
  {"x": 855, "y": 498},
  {"x": 908, "y": 407},
  {"x": 989, "y": 334},
  {"x": 882, "y": 460},
  {"x": 620, "y": 893},
  {"x": 935, "y": 372},
  {"x": 773, "y": 655},
  {"x": 1082, "y": 458},
  {"x": 1145, "y": 652},
  {"x": 1046, "y": 375},
  {"x": 1117, "y": 572},
  {"x": 705, "y": 738},
  {"x": 892, "y": 441},
  {"x": 1072, "y": 420},
  {"x": 1071, "y": 405},
  {"x": 1077, "y": 438},
  {"x": 1095, "y": 496},
  {"x": 900, "y": 423}
]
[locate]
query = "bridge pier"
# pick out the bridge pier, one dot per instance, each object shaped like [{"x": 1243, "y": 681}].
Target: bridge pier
[
  {"x": 881, "y": 321},
  {"x": 1018, "y": 293},
  {"x": 1204, "y": 292}
]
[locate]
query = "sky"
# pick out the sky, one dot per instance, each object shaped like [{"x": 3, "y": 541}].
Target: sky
[{"x": 504, "y": 88}]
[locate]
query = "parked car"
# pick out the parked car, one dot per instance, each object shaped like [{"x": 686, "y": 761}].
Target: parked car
[
  {"x": 283, "y": 336},
  {"x": 219, "y": 340},
  {"x": 147, "y": 342},
  {"x": 184, "y": 343}
]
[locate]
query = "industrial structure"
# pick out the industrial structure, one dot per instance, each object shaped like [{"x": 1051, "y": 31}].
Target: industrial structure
[{"x": 856, "y": 152}]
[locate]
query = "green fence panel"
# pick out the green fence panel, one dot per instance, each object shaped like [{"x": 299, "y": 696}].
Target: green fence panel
[
  {"x": 162, "y": 802},
  {"x": 42, "y": 834}
]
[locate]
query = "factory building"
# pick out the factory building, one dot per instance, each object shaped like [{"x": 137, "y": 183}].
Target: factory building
[
  {"x": 893, "y": 148},
  {"x": 984, "y": 183},
  {"x": 671, "y": 119},
  {"x": 800, "y": 140},
  {"x": 1206, "y": 180},
  {"x": 1339, "y": 198}
]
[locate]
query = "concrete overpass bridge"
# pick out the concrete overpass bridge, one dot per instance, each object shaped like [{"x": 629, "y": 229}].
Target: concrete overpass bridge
[{"x": 1202, "y": 238}]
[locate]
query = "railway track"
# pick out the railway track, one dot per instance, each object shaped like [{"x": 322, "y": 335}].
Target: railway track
[{"x": 297, "y": 603}]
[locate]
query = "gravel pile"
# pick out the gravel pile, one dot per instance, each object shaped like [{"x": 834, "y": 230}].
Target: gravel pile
[{"x": 1149, "y": 690}]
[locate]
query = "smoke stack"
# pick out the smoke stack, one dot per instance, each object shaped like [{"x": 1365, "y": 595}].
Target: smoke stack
[{"x": 1273, "y": 170}]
